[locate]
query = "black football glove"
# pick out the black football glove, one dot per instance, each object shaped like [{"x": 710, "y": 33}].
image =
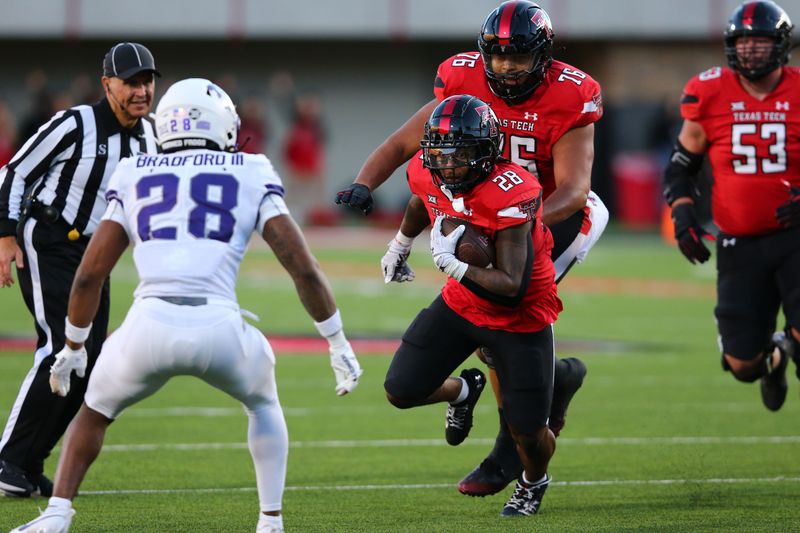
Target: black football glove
[
  {"x": 356, "y": 196},
  {"x": 788, "y": 213},
  {"x": 689, "y": 234}
]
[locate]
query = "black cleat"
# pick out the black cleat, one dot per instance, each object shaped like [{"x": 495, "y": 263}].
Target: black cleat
[
  {"x": 458, "y": 420},
  {"x": 14, "y": 482},
  {"x": 564, "y": 389},
  {"x": 501, "y": 467},
  {"x": 43, "y": 485},
  {"x": 526, "y": 498},
  {"x": 773, "y": 384},
  {"x": 489, "y": 478}
]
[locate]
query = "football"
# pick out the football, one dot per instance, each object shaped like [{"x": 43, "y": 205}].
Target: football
[{"x": 474, "y": 247}]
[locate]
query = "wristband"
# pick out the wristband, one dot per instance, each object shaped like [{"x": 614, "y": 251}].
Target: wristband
[
  {"x": 457, "y": 269},
  {"x": 403, "y": 240},
  {"x": 330, "y": 326},
  {"x": 8, "y": 227},
  {"x": 76, "y": 334}
]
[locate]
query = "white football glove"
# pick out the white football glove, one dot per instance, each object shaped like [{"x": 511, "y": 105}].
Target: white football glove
[
  {"x": 67, "y": 360},
  {"x": 443, "y": 249},
  {"x": 394, "y": 261},
  {"x": 345, "y": 367}
]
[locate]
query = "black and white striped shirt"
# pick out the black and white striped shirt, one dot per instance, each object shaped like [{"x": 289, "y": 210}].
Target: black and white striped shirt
[{"x": 67, "y": 165}]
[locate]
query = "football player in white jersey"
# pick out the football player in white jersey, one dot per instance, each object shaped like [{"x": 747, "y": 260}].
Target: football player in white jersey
[{"x": 189, "y": 213}]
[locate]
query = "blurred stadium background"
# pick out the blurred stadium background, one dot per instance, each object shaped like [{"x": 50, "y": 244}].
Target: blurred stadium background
[{"x": 371, "y": 63}]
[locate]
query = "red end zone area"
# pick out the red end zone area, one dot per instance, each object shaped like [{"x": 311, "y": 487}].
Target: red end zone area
[{"x": 281, "y": 344}]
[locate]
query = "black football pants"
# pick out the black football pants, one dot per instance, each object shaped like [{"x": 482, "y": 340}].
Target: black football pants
[{"x": 39, "y": 418}]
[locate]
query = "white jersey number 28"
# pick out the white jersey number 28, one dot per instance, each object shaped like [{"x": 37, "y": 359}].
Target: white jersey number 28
[{"x": 214, "y": 196}]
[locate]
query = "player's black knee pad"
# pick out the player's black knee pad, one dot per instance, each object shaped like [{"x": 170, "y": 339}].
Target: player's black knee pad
[
  {"x": 523, "y": 420},
  {"x": 752, "y": 372},
  {"x": 402, "y": 394}
]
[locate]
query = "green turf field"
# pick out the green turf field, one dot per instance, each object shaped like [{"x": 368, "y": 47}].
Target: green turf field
[{"x": 658, "y": 439}]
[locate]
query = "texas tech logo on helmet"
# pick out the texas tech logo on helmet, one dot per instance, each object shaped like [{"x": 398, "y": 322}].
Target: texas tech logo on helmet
[
  {"x": 541, "y": 20},
  {"x": 488, "y": 118}
]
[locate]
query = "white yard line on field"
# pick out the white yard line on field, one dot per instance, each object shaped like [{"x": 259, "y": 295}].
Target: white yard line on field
[
  {"x": 450, "y": 486},
  {"x": 403, "y": 443},
  {"x": 289, "y": 411}
]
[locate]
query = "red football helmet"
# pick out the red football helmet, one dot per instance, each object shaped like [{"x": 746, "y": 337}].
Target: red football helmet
[{"x": 522, "y": 28}]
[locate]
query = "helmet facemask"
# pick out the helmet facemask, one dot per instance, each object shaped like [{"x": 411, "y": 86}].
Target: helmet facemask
[
  {"x": 517, "y": 85},
  {"x": 756, "y": 61},
  {"x": 458, "y": 167}
]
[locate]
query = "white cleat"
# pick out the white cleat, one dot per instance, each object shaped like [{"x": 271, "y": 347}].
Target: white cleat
[
  {"x": 269, "y": 524},
  {"x": 50, "y": 521}
]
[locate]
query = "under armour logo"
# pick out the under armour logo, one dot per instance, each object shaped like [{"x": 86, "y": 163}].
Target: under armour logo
[
  {"x": 782, "y": 106},
  {"x": 432, "y": 199},
  {"x": 729, "y": 242},
  {"x": 102, "y": 149},
  {"x": 531, "y": 116},
  {"x": 737, "y": 106}
]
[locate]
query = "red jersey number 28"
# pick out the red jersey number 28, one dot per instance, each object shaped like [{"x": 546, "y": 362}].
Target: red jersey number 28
[
  {"x": 748, "y": 162},
  {"x": 507, "y": 180}
]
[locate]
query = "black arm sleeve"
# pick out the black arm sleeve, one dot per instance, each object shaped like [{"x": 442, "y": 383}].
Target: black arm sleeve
[
  {"x": 680, "y": 174},
  {"x": 508, "y": 301}
]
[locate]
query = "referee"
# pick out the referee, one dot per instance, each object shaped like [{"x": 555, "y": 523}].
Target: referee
[{"x": 52, "y": 195}]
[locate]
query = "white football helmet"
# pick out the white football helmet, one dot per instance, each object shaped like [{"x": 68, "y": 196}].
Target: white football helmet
[{"x": 196, "y": 108}]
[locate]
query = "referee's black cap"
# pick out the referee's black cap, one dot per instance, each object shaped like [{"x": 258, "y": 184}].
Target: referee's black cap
[{"x": 126, "y": 60}]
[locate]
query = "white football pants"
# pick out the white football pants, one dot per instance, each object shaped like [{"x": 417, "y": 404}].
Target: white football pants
[
  {"x": 594, "y": 224},
  {"x": 159, "y": 340}
]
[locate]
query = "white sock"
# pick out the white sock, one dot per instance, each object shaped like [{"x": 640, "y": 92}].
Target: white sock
[
  {"x": 61, "y": 504},
  {"x": 273, "y": 521},
  {"x": 525, "y": 479},
  {"x": 464, "y": 392},
  {"x": 268, "y": 441}
]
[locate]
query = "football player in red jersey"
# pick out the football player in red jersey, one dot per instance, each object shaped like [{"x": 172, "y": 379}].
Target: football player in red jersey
[
  {"x": 547, "y": 110},
  {"x": 508, "y": 308},
  {"x": 746, "y": 118}
]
